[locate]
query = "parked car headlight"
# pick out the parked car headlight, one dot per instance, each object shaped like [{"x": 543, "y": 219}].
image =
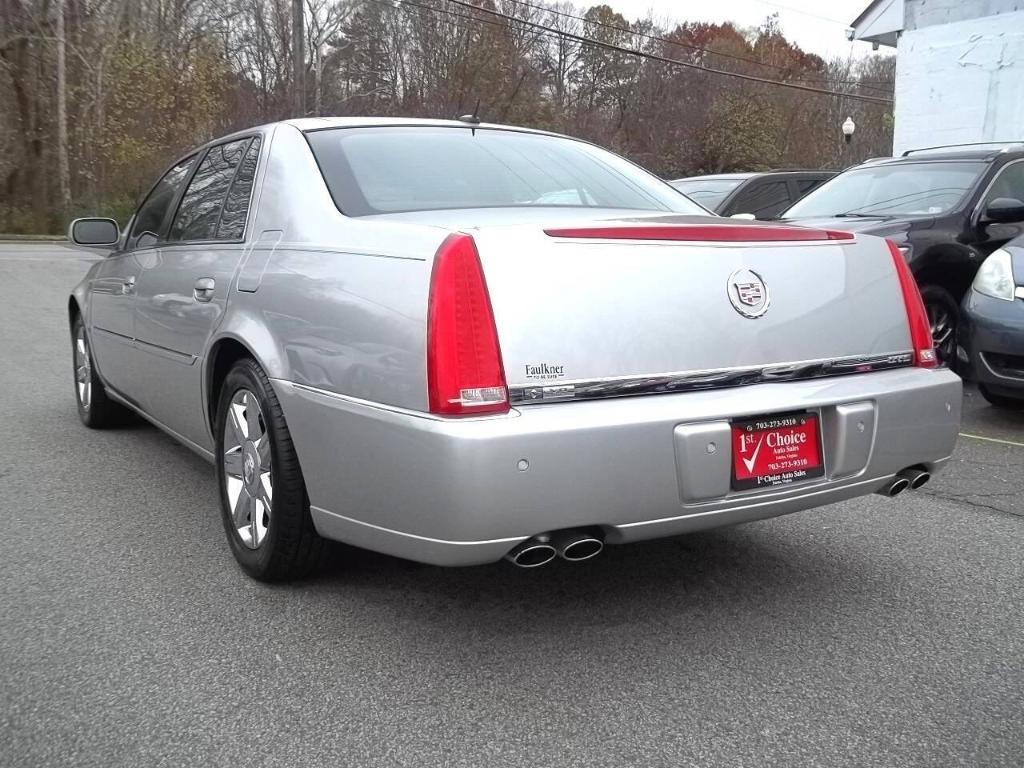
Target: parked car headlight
[{"x": 995, "y": 278}]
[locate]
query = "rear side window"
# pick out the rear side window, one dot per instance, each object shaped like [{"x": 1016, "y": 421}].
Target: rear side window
[
  {"x": 803, "y": 186},
  {"x": 199, "y": 213},
  {"x": 396, "y": 169},
  {"x": 765, "y": 201},
  {"x": 153, "y": 211},
  {"x": 236, "y": 206},
  {"x": 710, "y": 193}
]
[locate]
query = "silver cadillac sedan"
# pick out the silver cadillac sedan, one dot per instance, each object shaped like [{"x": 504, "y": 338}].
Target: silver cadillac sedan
[{"x": 455, "y": 343}]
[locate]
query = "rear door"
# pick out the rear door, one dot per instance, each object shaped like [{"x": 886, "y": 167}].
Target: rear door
[
  {"x": 182, "y": 292},
  {"x": 112, "y": 297}
]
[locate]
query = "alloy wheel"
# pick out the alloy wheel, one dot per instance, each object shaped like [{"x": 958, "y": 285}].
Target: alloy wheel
[
  {"x": 83, "y": 369},
  {"x": 247, "y": 468},
  {"x": 943, "y": 330}
]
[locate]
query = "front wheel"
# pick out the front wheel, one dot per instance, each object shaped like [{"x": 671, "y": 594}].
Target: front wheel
[
  {"x": 263, "y": 499},
  {"x": 95, "y": 408},
  {"x": 944, "y": 319}
]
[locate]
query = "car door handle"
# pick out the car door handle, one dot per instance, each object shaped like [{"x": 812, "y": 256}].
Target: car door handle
[
  {"x": 128, "y": 286},
  {"x": 204, "y": 288}
]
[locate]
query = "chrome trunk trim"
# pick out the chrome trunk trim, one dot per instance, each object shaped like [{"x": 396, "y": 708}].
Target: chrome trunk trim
[{"x": 626, "y": 386}]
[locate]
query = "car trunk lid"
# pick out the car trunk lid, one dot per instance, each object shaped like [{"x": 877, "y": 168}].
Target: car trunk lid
[{"x": 632, "y": 306}]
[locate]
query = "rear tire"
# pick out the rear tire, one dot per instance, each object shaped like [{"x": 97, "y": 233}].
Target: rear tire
[
  {"x": 264, "y": 506},
  {"x": 1001, "y": 401},
  {"x": 944, "y": 319},
  {"x": 95, "y": 408}
]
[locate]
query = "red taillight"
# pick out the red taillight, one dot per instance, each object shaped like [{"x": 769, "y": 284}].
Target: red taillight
[
  {"x": 464, "y": 371},
  {"x": 917, "y": 317}
]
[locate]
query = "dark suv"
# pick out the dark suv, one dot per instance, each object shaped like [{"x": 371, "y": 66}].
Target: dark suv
[
  {"x": 762, "y": 195},
  {"x": 947, "y": 208}
]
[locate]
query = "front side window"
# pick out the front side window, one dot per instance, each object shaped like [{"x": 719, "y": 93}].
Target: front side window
[
  {"x": 1008, "y": 184},
  {"x": 199, "y": 213},
  {"x": 391, "y": 170},
  {"x": 896, "y": 189},
  {"x": 152, "y": 213}
]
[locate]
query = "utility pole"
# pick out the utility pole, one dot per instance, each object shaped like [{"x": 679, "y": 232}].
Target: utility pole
[
  {"x": 63, "y": 169},
  {"x": 298, "y": 61}
]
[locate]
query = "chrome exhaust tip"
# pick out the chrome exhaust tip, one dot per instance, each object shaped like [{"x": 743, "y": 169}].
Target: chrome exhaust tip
[
  {"x": 582, "y": 549},
  {"x": 895, "y": 487},
  {"x": 532, "y": 553},
  {"x": 916, "y": 477},
  {"x": 577, "y": 546}
]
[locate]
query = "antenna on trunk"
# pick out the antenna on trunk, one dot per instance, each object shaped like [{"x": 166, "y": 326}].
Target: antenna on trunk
[{"x": 473, "y": 118}]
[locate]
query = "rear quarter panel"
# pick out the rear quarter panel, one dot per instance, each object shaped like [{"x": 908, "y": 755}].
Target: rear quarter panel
[{"x": 339, "y": 303}]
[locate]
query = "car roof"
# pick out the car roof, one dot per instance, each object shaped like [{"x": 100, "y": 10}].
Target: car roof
[
  {"x": 305, "y": 124},
  {"x": 321, "y": 123},
  {"x": 981, "y": 151},
  {"x": 755, "y": 174}
]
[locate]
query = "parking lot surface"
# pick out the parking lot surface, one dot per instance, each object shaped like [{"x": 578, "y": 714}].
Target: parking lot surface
[{"x": 874, "y": 632}]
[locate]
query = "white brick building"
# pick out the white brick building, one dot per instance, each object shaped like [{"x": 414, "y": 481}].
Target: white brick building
[{"x": 959, "y": 68}]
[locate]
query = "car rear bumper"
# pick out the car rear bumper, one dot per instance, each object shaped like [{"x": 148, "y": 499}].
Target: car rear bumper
[
  {"x": 992, "y": 342},
  {"x": 462, "y": 492}
]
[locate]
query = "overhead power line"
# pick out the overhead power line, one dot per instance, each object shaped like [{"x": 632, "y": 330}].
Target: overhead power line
[
  {"x": 692, "y": 47},
  {"x": 546, "y": 31},
  {"x": 674, "y": 62},
  {"x": 667, "y": 41},
  {"x": 805, "y": 13}
]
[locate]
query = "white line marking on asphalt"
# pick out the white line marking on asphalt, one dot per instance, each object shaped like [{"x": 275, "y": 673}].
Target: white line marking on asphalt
[{"x": 992, "y": 440}]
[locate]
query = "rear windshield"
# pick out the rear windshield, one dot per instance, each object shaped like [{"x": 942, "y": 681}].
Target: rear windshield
[
  {"x": 392, "y": 170},
  {"x": 707, "y": 192},
  {"x": 890, "y": 190}
]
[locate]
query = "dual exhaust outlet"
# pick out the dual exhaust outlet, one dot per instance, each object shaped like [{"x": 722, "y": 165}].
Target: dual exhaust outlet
[
  {"x": 574, "y": 545},
  {"x": 578, "y": 544},
  {"x": 911, "y": 477}
]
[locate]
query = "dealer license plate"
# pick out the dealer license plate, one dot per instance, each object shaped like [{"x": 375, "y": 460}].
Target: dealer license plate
[{"x": 769, "y": 451}]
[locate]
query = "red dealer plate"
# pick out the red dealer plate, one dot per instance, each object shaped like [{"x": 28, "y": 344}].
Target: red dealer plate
[{"x": 768, "y": 451}]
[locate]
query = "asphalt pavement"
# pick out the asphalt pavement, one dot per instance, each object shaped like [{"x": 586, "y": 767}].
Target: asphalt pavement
[{"x": 870, "y": 633}]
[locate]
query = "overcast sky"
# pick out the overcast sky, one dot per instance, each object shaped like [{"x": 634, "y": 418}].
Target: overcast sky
[{"x": 816, "y": 26}]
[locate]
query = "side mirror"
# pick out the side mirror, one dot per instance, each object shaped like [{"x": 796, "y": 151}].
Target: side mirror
[
  {"x": 744, "y": 216},
  {"x": 94, "y": 233},
  {"x": 1004, "y": 210}
]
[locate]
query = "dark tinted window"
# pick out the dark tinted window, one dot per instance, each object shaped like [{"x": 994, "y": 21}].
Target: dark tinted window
[
  {"x": 386, "y": 170},
  {"x": 1009, "y": 183},
  {"x": 199, "y": 212},
  {"x": 765, "y": 201},
  {"x": 710, "y": 193},
  {"x": 236, "y": 206},
  {"x": 803, "y": 186},
  {"x": 153, "y": 211}
]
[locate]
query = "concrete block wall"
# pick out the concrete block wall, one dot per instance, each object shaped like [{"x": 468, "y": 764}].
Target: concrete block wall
[{"x": 959, "y": 81}]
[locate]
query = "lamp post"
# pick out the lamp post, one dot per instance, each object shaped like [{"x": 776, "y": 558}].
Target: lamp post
[{"x": 848, "y": 127}]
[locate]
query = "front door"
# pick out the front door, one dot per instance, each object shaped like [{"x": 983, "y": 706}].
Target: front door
[
  {"x": 113, "y": 292},
  {"x": 111, "y": 309},
  {"x": 1008, "y": 183},
  {"x": 183, "y": 288}
]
